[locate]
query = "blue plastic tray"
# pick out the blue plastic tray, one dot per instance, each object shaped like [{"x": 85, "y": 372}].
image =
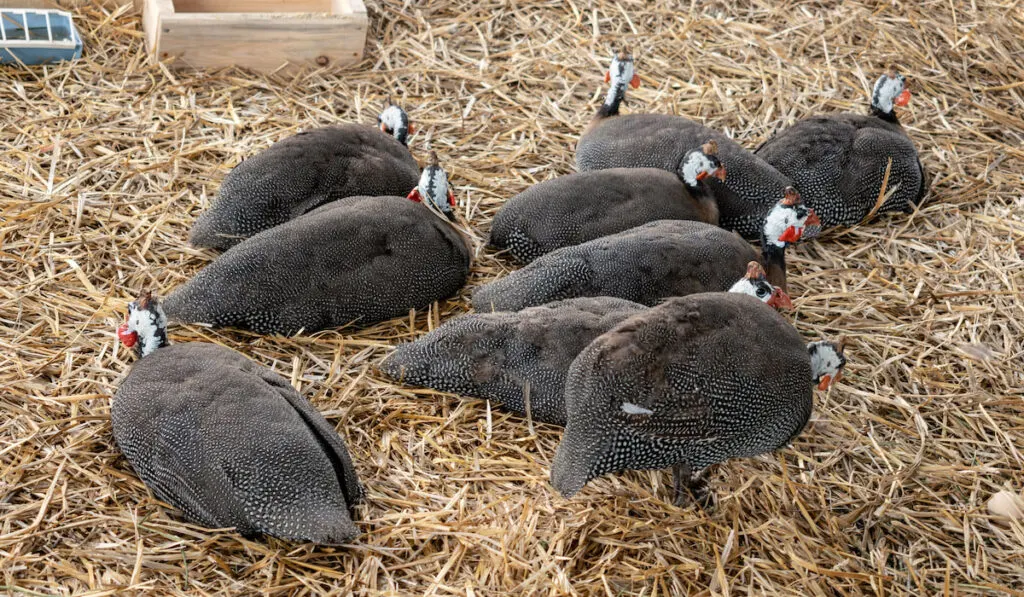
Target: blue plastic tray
[{"x": 37, "y": 36}]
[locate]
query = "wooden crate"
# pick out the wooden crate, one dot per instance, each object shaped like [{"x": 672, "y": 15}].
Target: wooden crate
[{"x": 258, "y": 34}]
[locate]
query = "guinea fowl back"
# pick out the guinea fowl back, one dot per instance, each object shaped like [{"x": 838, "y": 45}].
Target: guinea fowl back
[
  {"x": 838, "y": 162},
  {"x": 300, "y": 173},
  {"x": 662, "y": 141},
  {"x": 698, "y": 379},
  {"x": 505, "y": 356},
  {"x": 645, "y": 265},
  {"x": 361, "y": 260},
  {"x": 576, "y": 208},
  {"x": 232, "y": 444}
]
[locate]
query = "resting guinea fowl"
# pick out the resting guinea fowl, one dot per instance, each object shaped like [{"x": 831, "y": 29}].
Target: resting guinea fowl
[
  {"x": 300, "y": 173},
  {"x": 695, "y": 381},
  {"x": 572, "y": 209},
  {"x": 649, "y": 263},
  {"x": 359, "y": 260},
  {"x": 228, "y": 442},
  {"x": 512, "y": 357},
  {"x": 839, "y": 161},
  {"x": 613, "y": 140}
]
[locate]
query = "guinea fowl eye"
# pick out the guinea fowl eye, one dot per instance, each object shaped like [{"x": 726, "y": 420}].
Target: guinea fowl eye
[{"x": 761, "y": 291}]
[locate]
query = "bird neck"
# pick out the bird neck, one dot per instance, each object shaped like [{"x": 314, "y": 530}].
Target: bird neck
[
  {"x": 612, "y": 101},
  {"x": 774, "y": 258},
  {"x": 706, "y": 199},
  {"x": 889, "y": 116}
]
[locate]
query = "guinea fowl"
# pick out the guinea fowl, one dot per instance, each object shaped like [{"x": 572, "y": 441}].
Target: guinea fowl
[
  {"x": 613, "y": 140},
  {"x": 515, "y": 358},
  {"x": 228, "y": 442},
  {"x": 300, "y": 173},
  {"x": 572, "y": 209},
  {"x": 690, "y": 383},
  {"x": 839, "y": 162},
  {"x": 360, "y": 260},
  {"x": 649, "y": 263}
]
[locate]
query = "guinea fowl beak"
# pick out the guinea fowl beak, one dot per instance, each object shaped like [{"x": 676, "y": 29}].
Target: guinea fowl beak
[
  {"x": 126, "y": 337},
  {"x": 780, "y": 300},
  {"x": 702, "y": 175},
  {"x": 720, "y": 173},
  {"x": 813, "y": 219},
  {"x": 903, "y": 98},
  {"x": 384, "y": 129},
  {"x": 828, "y": 381}
]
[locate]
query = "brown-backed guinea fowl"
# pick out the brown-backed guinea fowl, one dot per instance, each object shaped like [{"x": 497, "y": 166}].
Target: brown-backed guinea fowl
[
  {"x": 614, "y": 140},
  {"x": 839, "y": 161},
  {"x": 520, "y": 358},
  {"x": 298, "y": 174},
  {"x": 649, "y": 263},
  {"x": 228, "y": 442},
  {"x": 695, "y": 381},
  {"x": 573, "y": 209},
  {"x": 360, "y": 260}
]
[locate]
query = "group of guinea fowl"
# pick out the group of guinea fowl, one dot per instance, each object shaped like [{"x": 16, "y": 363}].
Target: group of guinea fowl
[{"x": 643, "y": 321}]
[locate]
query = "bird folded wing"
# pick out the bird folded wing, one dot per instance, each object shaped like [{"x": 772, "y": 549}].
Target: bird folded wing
[
  {"x": 685, "y": 418},
  {"x": 328, "y": 438}
]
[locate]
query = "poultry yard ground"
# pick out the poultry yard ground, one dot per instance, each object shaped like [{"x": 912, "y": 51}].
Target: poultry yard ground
[{"x": 105, "y": 164}]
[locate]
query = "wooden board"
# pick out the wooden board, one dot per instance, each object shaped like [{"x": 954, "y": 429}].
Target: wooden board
[{"x": 265, "y": 40}]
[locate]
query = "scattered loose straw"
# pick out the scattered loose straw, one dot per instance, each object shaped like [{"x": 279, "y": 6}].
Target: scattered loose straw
[{"x": 104, "y": 165}]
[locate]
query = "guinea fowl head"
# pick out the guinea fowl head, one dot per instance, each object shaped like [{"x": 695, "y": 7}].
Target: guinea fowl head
[
  {"x": 827, "y": 362},
  {"x": 702, "y": 163},
  {"x": 145, "y": 327},
  {"x": 786, "y": 221},
  {"x": 890, "y": 90},
  {"x": 394, "y": 121},
  {"x": 621, "y": 72},
  {"x": 756, "y": 284},
  {"x": 433, "y": 190}
]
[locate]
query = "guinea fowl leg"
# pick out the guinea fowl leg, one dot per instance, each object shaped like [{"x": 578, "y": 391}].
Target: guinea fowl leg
[{"x": 691, "y": 485}]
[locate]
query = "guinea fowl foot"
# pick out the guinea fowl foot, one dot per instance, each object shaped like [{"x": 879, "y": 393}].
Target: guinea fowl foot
[{"x": 691, "y": 486}]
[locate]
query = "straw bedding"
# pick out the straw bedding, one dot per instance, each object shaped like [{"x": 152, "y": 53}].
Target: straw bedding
[{"x": 105, "y": 164}]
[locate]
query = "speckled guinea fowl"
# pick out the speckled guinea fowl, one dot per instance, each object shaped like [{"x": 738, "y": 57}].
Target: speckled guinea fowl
[
  {"x": 495, "y": 355},
  {"x": 648, "y": 263},
  {"x": 228, "y": 442},
  {"x": 303, "y": 172},
  {"x": 838, "y": 161},
  {"x": 690, "y": 383},
  {"x": 359, "y": 260},
  {"x": 614, "y": 140},
  {"x": 572, "y": 209},
  {"x": 506, "y": 356}
]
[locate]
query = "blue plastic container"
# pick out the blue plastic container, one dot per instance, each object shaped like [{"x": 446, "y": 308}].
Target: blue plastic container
[{"x": 37, "y": 36}]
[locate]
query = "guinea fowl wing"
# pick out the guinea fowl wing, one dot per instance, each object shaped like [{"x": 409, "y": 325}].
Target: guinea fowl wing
[{"x": 327, "y": 437}]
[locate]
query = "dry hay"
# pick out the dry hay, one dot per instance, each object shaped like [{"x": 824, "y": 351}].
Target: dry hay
[{"x": 105, "y": 164}]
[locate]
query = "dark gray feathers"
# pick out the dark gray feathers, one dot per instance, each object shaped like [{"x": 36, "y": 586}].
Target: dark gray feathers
[
  {"x": 497, "y": 356},
  {"x": 572, "y": 209},
  {"x": 300, "y": 173},
  {"x": 838, "y": 164},
  {"x": 696, "y": 380},
  {"x": 644, "y": 264},
  {"x": 359, "y": 260},
  {"x": 751, "y": 187},
  {"x": 232, "y": 444}
]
